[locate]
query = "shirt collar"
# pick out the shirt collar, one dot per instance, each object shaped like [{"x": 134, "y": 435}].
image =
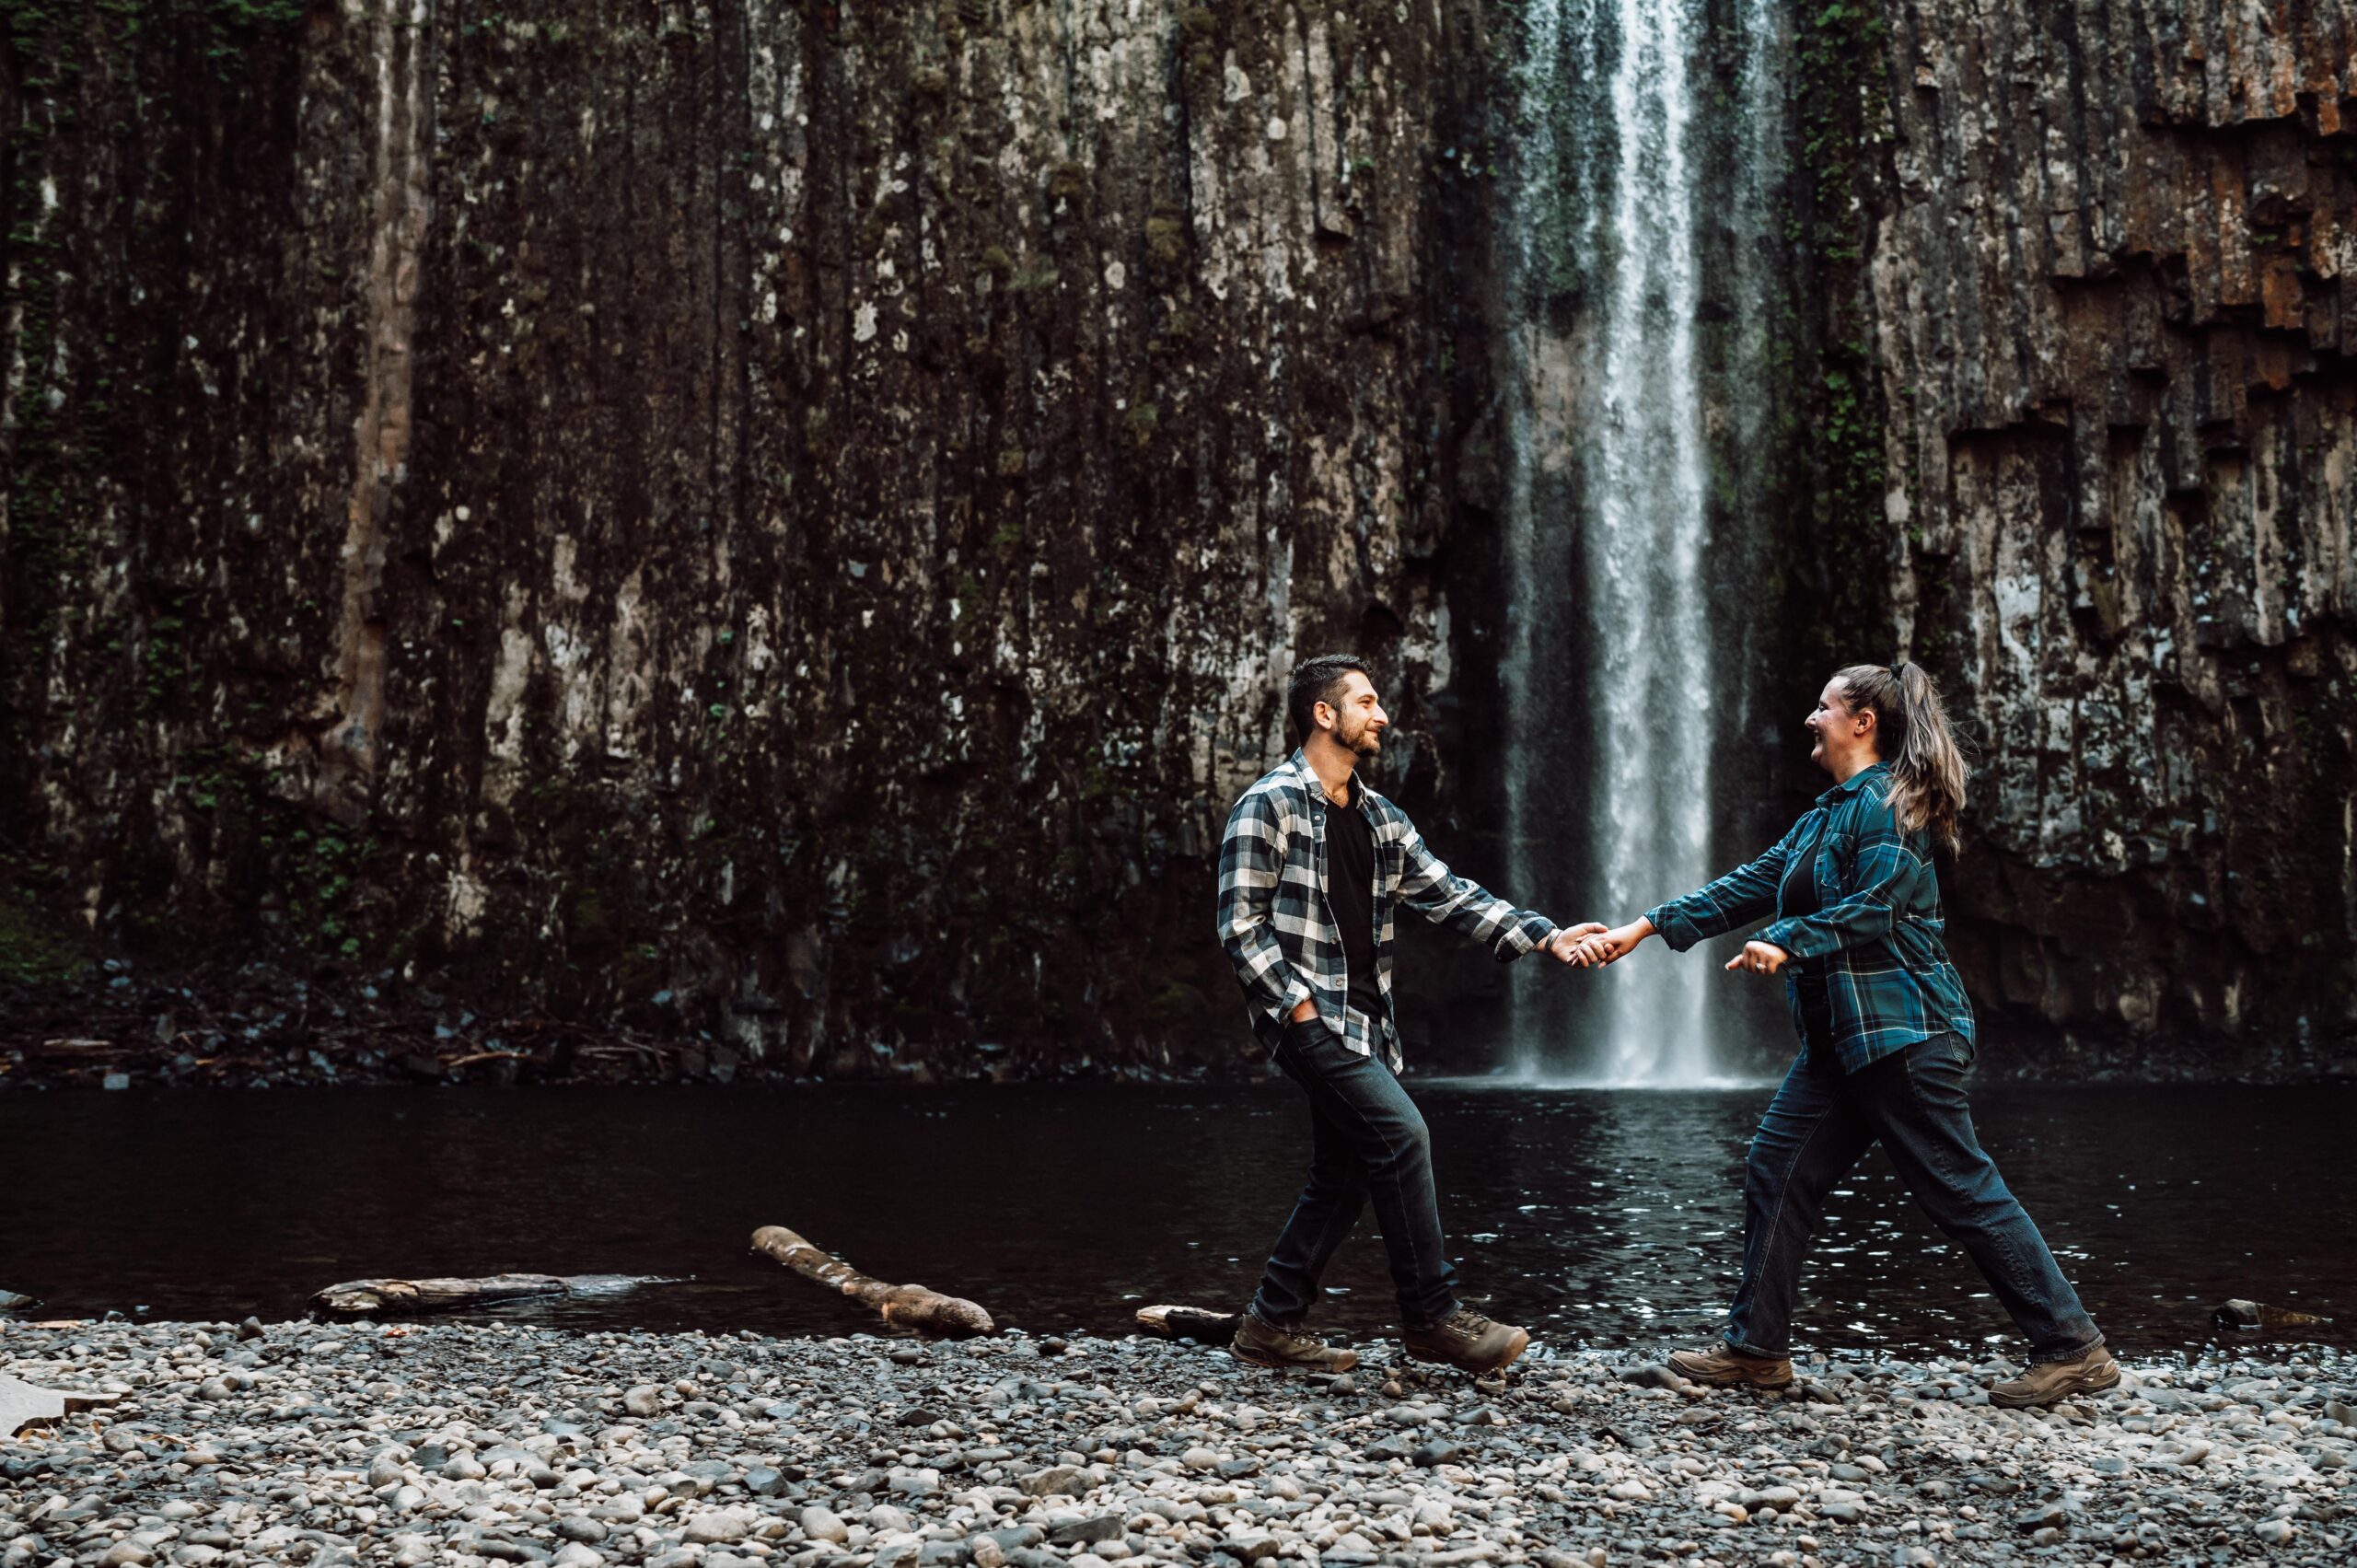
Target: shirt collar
[
  {"x": 1316, "y": 788},
  {"x": 1851, "y": 784}
]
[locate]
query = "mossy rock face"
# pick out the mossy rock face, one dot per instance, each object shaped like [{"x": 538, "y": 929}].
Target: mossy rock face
[
  {"x": 1176, "y": 1004},
  {"x": 38, "y": 949},
  {"x": 1165, "y": 241}
]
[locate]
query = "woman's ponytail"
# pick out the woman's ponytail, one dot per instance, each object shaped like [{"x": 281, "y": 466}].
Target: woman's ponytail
[{"x": 1927, "y": 769}]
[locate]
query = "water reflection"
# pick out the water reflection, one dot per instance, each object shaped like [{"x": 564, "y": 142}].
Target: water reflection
[{"x": 1608, "y": 1217}]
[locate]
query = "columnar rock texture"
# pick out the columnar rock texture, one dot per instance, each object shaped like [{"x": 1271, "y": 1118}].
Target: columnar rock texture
[
  {"x": 790, "y": 509},
  {"x": 2111, "y": 279},
  {"x": 796, "y": 510}
]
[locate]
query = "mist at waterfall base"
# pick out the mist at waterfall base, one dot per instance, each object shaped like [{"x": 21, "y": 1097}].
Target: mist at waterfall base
[
  {"x": 1641, "y": 273},
  {"x": 1610, "y": 1219}
]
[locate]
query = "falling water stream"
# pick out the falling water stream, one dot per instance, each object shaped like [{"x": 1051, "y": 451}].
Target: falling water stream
[{"x": 1635, "y": 346}]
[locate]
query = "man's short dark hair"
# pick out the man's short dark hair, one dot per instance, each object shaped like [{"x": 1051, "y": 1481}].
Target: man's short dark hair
[{"x": 1316, "y": 681}]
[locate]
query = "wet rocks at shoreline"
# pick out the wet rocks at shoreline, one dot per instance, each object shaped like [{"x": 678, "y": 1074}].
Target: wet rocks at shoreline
[
  {"x": 482, "y": 1442},
  {"x": 260, "y": 1025}
]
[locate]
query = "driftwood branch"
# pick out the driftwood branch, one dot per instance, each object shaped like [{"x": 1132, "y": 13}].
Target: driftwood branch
[
  {"x": 1190, "y": 1323},
  {"x": 905, "y": 1307},
  {"x": 2240, "y": 1313},
  {"x": 355, "y": 1298}
]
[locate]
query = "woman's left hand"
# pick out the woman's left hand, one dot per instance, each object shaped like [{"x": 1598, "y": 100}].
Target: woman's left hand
[{"x": 1759, "y": 958}]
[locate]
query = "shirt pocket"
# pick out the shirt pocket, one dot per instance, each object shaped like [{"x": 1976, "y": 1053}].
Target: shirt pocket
[{"x": 1836, "y": 855}]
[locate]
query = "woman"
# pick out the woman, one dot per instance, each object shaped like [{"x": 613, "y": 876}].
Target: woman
[{"x": 1885, "y": 1031}]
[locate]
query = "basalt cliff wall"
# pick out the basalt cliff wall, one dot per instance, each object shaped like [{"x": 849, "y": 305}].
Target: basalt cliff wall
[
  {"x": 782, "y": 521},
  {"x": 2109, "y": 290}
]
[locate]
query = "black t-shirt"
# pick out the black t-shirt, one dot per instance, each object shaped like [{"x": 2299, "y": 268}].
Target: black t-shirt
[{"x": 1350, "y": 889}]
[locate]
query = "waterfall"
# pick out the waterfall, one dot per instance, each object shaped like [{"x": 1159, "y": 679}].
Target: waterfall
[{"x": 1638, "y": 306}]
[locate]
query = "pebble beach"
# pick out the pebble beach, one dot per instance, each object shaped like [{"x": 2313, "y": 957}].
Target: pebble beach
[{"x": 482, "y": 1442}]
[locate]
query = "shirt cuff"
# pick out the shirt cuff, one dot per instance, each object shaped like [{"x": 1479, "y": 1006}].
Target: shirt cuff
[
  {"x": 1792, "y": 937},
  {"x": 1675, "y": 931},
  {"x": 1526, "y": 935}
]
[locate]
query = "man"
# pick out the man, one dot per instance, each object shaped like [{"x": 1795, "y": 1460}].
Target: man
[{"x": 1311, "y": 868}]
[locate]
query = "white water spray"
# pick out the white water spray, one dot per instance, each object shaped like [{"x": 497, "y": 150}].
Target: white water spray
[{"x": 1613, "y": 668}]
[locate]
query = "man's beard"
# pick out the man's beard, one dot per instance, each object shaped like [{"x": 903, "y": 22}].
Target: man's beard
[{"x": 1365, "y": 743}]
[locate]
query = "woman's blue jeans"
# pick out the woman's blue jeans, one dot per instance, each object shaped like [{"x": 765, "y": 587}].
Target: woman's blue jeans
[
  {"x": 1368, "y": 1142},
  {"x": 1821, "y": 1124}
]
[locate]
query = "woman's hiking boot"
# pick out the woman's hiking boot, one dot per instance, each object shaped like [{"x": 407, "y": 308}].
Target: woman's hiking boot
[
  {"x": 1724, "y": 1366},
  {"x": 1264, "y": 1344},
  {"x": 1467, "y": 1341},
  {"x": 2046, "y": 1381}
]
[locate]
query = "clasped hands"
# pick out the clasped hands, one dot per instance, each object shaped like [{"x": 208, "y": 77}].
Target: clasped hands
[{"x": 1592, "y": 944}]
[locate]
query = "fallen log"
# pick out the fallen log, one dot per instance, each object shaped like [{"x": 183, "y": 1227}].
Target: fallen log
[
  {"x": 473, "y": 1057},
  {"x": 1192, "y": 1323},
  {"x": 357, "y": 1298},
  {"x": 2240, "y": 1313},
  {"x": 903, "y": 1306}
]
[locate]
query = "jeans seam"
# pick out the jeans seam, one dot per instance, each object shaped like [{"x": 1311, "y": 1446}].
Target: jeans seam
[
  {"x": 1955, "y": 1178},
  {"x": 1400, "y": 1191},
  {"x": 1343, "y": 1203},
  {"x": 2070, "y": 1352},
  {"x": 1784, "y": 1195},
  {"x": 1327, "y": 1250},
  {"x": 2003, "y": 1239}
]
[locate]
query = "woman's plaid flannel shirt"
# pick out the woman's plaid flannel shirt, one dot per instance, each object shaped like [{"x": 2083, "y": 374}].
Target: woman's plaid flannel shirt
[{"x": 1875, "y": 937}]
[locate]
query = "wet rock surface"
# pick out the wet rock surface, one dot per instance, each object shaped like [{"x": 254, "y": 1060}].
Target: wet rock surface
[
  {"x": 2108, "y": 283},
  {"x": 937, "y": 391},
  {"x": 781, "y": 522},
  {"x": 116, "y": 1024},
  {"x": 477, "y": 1444}
]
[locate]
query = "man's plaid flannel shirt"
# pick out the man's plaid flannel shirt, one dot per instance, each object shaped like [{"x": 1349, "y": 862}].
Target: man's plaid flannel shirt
[
  {"x": 1875, "y": 938},
  {"x": 1275, "y": 924}
]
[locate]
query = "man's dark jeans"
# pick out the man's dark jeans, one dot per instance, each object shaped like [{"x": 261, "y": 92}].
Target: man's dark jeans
[
  {"x": 1368, "y": 1142},
  {"x": 1822, "y": 1122}
]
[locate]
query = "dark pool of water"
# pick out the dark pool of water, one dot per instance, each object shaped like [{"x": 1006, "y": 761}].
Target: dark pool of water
[{"x": 1606, "y": 1217}]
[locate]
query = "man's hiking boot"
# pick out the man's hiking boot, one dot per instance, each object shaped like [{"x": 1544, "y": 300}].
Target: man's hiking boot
[
  {"x": 1467, "y": 1341},
  {"x": 2046, "y": 1381},
  {"x": 1724, "y": 1366},
  {"x": 1272, "y": 1344}
]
